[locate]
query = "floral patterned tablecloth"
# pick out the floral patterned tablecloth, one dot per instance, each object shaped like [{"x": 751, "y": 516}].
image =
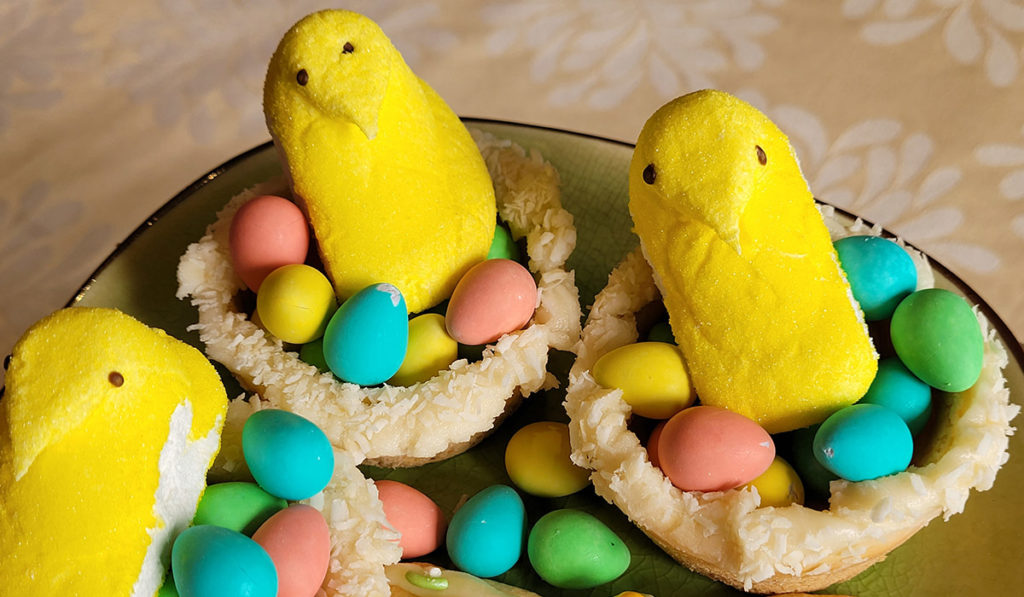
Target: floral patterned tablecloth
[{"x": 907, "y": 112}]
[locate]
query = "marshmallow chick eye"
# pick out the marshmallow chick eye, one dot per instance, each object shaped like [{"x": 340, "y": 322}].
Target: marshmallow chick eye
[
  {"x": 762, "y": 158},
  {"x": 302, "y": 77},
  {"x": 649, "y": 174},
  {"x": 348, "y": 48}
]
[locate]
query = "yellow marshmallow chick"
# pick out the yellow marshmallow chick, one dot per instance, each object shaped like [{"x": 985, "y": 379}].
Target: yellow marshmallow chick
[
  {"x": 395, "y": 189},
  {"x": 107, "y": 430},
  {"x": 755, "y": 294}
]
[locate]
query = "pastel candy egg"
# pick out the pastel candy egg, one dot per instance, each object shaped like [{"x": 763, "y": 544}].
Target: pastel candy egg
[
  {"x": 937, "y": 336},
  {"x": 864, "y": 441},
  {"x": 652, "y": 444},
  {"x": 168, "y": 589},
  {"x": 299, "y": 543},
  {"x": 288, "y": 455},
  {"x": 366, "y": 340},
  {"x": 661, "y": 332},
  {"x": 211, "y": 561},
  {"x": 414, "y": 515},
  {"x": 537, "y": 461},
  {"x": 880, "y": 273},
  {"x": 502, "y": 245},
  {"x": 779, "y": 485},
  {"x": 707, "y": 448},
  {"x": 266, "y": 233},
  {"x": 485, "y": 535},
  {"x": 816, "y": 478},
  {"x": 238, "y": 506},
  {"x": 897, "y": 388},
  {"x": 430, "y": 350},
  {"x": 571, "y": 549},
  {"x": 312, "y": 353},
  {"x": 295, "y": 302},
  {"x": 651, "y": 375},
  {"x": 493, "y": 298}
]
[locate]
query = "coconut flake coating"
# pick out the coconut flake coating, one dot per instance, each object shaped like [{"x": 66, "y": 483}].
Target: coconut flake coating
[
  {"x": 437, "y": 418},
  {"x": 725, "y": 535}
]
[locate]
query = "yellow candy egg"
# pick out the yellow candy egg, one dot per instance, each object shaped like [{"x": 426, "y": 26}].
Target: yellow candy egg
[
  {"x": 651, "y": 375},
  {"x": 779, "y": 486},
  {"x": 537, "y": 461},
  {"x": 430, "y": 350},
  {"x": 295, "y": 302}
]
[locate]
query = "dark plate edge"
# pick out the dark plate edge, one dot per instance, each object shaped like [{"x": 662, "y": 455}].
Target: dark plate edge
[{"x": 1014, "y": 345}]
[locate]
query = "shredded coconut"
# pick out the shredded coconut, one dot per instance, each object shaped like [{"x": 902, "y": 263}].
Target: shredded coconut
[{"x": 725, "y": 534}]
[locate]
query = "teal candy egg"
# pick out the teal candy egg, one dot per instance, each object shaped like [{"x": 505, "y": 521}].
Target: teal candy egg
[
  {"x": 880, "y": 273},
  {"x": 502, "y": 245},
  {"x": 288, "y": 455},
  {"x": 485, "y": 535},
  {"x": 238, "y": 506},
  {"x": 366, "y": 339},
  {"x": 571, "y": 549},
  {"x": 937, "y": 336},
  {"x": 897, "y": 388},
  {"x": 864, "y": 441},
  {"x": 211, "y": 561}
]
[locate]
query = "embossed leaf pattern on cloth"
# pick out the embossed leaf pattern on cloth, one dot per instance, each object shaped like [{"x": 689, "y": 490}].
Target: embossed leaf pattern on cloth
[{"x": 906, "y": 112}]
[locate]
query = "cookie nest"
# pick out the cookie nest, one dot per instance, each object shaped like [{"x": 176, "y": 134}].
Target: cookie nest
[
  {"x": 725, "y": 535},
  {"x": 404, "y": 426}
]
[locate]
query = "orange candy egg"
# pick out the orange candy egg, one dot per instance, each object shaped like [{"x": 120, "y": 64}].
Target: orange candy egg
[
  {"x": 266, "y": 233},
  {"x": 299, "y": 542},
  {"x": 707, "y": 448},
  {"x": 414, "y": 515},
  {"x": 493, "y": 298}
]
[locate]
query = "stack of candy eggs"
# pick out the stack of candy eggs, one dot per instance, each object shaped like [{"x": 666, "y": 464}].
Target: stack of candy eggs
[
  {"x": 369, "y": 339},
  {"x": 246, "y": 540},
  {"x": 932, "y": 340},
  {"x": 568, "y": 548}
]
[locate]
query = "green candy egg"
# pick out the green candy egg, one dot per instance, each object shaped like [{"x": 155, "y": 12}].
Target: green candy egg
[
  {"x": 571, "y": 549},
  {"x": 816, "y": 478},
  {"x": 661, "y": 332},
  {"x": 238, "y": 506},
  {"x": 502, "y": 245},
  {"x": 937, "y": 336},
  {"x": 312, "y": 353}
]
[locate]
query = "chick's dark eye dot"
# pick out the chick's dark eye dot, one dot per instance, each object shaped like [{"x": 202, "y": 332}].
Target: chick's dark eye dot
[
  {"x": 649, "y": 174},
  {"x": 348, "y": 48},
  {"x": 7, "y": 362},
  {"x": 115, "y": 379},
  {"x": 302, "y": 77},
  {"x": 761, "y": 157}
]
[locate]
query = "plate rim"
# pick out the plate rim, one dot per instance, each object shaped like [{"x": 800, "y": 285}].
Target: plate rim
[{"x": 1013, "y": 345}]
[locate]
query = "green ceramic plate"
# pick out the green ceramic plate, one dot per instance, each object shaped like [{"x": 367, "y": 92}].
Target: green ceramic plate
[{"x": 977, "y": 552}]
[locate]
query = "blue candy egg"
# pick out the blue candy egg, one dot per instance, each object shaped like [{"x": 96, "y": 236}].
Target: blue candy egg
[
  {"x": 880, "y": 272},
  {"x": 366, "y": 339},
  {"x": 485, "y": 536},
  {"x": 897, "y": 388},
  {"x": 211, "y": 561},
  {"x": 288, "y": 455},
  {"x": 864, "y": 441}
]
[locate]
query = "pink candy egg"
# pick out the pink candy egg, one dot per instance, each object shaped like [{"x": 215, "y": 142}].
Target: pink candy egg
[
  {"x": 707, "y": 448},
  {"x": 652, "y": 444},
  {"x": 266, "y": 233},
  {"x": 299, "y": 543},
  {"x": 414, "y": 515},
  {"x": 493, "y": 298}
]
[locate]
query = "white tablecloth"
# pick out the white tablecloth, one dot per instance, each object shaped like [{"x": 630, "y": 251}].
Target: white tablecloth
[{"x": 907, "y": 112}]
